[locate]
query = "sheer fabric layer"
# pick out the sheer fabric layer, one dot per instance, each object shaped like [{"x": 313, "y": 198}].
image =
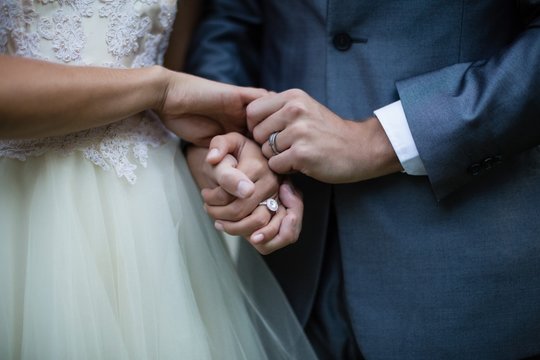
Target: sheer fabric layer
[{"x": 92, "y": 267}]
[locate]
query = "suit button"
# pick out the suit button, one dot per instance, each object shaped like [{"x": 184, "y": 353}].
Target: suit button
[
  {"x": 342, "y": 41},
  {"x": 474, "y": 169},
  {"x": 488, "y": 163},
  {"x": 491, "y": 161}
]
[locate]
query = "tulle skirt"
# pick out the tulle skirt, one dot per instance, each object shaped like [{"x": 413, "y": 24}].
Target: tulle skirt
[{"x": 92, "y": 267}]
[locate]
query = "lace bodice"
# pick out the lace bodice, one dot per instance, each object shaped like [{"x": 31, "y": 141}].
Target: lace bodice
[{"x": 111, "y": 33}]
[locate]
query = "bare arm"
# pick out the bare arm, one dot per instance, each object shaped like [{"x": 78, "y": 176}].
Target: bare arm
[{"x": 39, "y": 99}]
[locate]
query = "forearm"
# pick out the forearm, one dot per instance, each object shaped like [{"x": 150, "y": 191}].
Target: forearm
[
  {"x": 467, "y": 113},
  {"x": 40, "y": 99}
]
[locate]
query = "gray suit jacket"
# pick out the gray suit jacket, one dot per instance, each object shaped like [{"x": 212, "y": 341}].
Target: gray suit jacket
[{"x": 439, "y": 267}]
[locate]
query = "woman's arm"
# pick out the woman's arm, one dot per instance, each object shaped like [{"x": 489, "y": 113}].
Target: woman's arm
[{"x": 39, "y": 99}]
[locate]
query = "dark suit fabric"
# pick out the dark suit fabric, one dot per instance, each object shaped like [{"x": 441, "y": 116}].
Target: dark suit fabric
[{"x": 444, "y": 266}]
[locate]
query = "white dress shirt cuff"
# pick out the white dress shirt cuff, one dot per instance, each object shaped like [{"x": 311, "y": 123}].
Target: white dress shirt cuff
[{"x": 394, "y": 123}]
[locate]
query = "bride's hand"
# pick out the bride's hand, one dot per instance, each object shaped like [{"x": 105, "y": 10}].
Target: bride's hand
[
  {"x": 237, "y": 209},
  {"x": 197, "y": 109}
]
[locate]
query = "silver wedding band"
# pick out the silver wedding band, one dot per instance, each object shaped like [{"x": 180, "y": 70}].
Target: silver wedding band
[
  {"x": 272, "y": 142},
  {"x": 271, "y": 204}
]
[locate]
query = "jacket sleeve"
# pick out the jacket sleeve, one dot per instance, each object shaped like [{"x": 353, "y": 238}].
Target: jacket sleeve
[
  {"x": 226, "y": 43},
  {"x": 467, "y": 118}
]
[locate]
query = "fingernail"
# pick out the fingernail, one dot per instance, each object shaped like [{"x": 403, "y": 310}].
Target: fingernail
[
  {"x": 257, "y": 238},
  {"x": 218, "y": 226},
  {"x": 244, "y": 188},
  {"x": 214, "y": 153}
]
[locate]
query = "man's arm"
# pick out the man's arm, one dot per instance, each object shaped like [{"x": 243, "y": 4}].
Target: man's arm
[
  {"x": 313, "y": 140},
  {"x": 226, "y": 48},
  {"x": 467, "y": 118},
  {"x": 226, "y": 44}
]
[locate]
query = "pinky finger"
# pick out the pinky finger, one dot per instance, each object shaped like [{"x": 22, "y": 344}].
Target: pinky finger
[
  {"x": 286, "y": 236},
  {"x": 282, "y": 239},
  {"x": 268, "y": 232}
]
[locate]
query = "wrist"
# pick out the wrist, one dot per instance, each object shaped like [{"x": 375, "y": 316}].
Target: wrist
[
  {"x": 385, "y": 158},
  {"x": 160, "y": 79},
  {"x": 372, "y": 155}
]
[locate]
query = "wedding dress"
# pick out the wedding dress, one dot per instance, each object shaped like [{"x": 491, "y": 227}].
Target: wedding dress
[{"x": 105, "y": 250}]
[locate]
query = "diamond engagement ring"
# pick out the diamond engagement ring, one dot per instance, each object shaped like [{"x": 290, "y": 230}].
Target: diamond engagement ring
[
  {"x": 272, "y": 142},
  {"x": 271, "y": 204}
]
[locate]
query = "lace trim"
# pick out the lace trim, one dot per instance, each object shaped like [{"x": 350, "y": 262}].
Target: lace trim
[
  {"x": 136, "y": 35},
  {"x": 119, "y": 146}
]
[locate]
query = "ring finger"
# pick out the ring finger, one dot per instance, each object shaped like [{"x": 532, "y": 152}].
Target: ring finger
[
  {"x": 247, "y": 226},
  {"x": 282, "y": 142},
  {"x": 217, "y": 197},
  {"x": 241, "y": 208}
]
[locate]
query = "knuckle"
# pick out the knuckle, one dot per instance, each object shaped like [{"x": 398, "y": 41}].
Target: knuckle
[
  {"x": 222, "y": 197},
  {"x": 264, "y": 250},
  {"x": 271, "y": 231},
  {"x": 251, "y": 110},
  {"x": 212, "y": 212},
  {"x": 216, "y": 141},
  {"x": 233, "y": 137},
  {"x": 206, "y": 194},
  {"x": 232, "y": 230},
  {"x": 256, "y": 167},
  {"x": 305, "y": 157},
  {"x": 296, "y": 93},
  {"x": 301, "y": 128},
  {"x": 294, "y": 108},
  {"x": 299, "y": 153},
  {"x": 259, "y": 221},
  {"x": 229, "y": 229},
  {"x": 226, "y": 179},
  {"x": 227, "y": 213},
  {"x": 237, "y": 211},
  {"x": 258, "y": 135}
]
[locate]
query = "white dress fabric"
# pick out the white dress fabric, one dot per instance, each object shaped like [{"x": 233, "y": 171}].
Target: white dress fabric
[{"x": 105, "y": 250}]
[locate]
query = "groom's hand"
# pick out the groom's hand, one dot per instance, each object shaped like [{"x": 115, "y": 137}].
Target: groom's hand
[
  {"x": 243, "y": 215},
  {"x": 318, "y": 143}
]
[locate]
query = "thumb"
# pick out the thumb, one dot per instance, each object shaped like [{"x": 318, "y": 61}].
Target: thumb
[
  {"x": 232, "y": 180},
  {"x": 249, "y": 94},
  {"x": 222, "y": 145}
]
